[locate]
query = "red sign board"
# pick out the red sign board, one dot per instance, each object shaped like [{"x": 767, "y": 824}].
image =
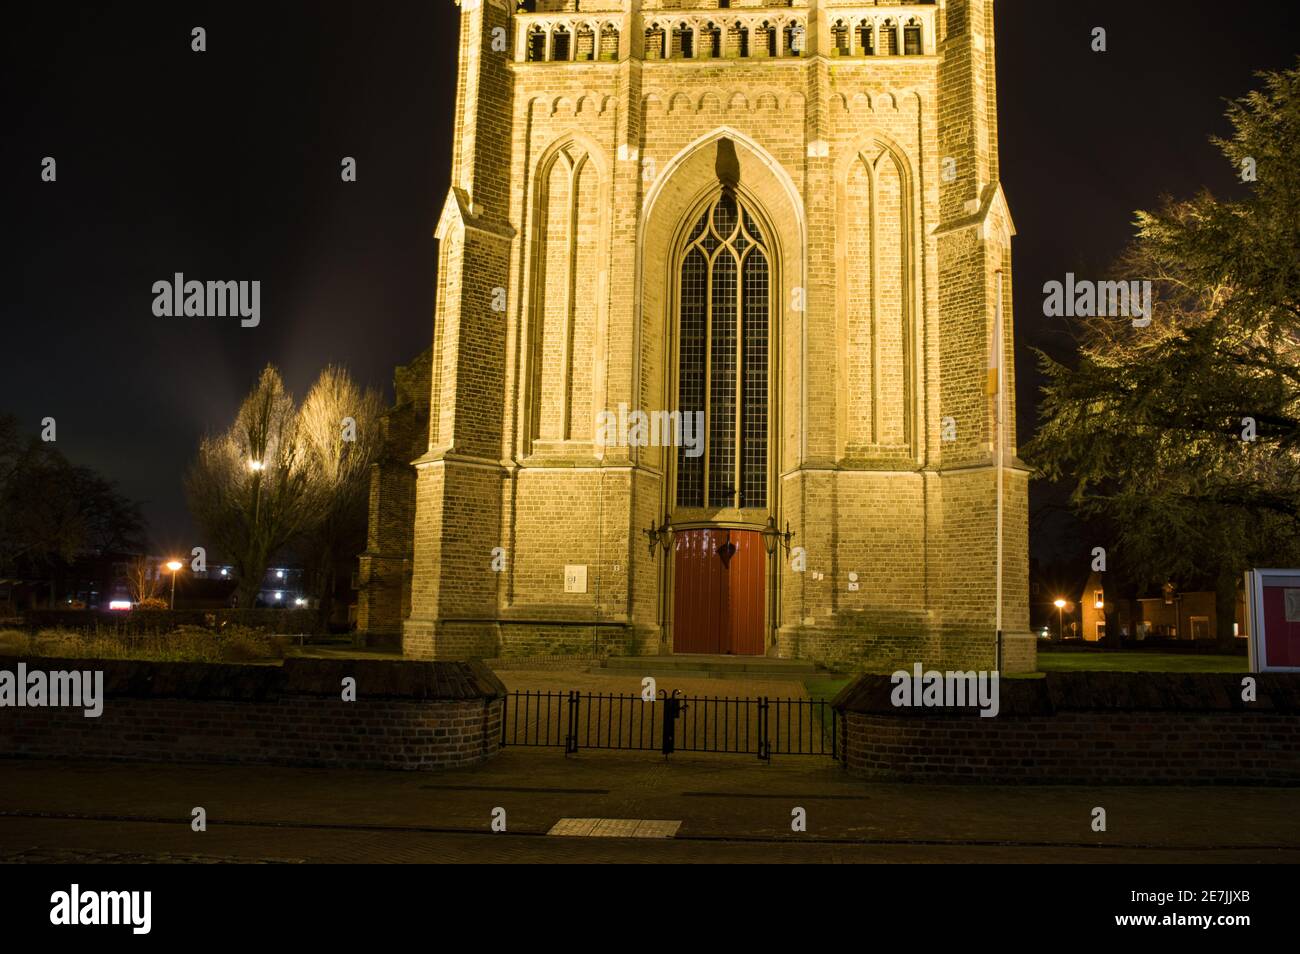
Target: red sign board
[{"x": 1273, "y": 619}]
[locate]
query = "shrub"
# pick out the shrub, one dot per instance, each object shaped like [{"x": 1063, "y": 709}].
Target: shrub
[
  {"x": 57, "y": 642},
  {"x": 14, "y": 641},
  {"x": 242, "y": 644},
  {"x": 183, "y": 644},
  {"x": 159, "y": 622}
]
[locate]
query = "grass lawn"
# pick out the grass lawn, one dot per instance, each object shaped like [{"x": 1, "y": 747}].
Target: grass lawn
[
  {"x": 826, "y": 686},
  {"x": 1139, "y": 662}
]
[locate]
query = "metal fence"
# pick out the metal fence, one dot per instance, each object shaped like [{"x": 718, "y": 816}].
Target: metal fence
[{"x": 668, "y": 723}]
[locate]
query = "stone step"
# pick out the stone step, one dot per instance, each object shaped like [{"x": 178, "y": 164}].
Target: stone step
[
  {"x": 712, "y": 667},
  {"x": 736, "y": 674}
]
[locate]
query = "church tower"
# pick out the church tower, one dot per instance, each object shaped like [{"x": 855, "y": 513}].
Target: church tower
[{"x": 708, "y": 273}]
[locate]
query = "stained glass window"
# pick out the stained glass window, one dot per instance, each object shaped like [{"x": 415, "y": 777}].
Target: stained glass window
[{"x": 725, "y": 302}]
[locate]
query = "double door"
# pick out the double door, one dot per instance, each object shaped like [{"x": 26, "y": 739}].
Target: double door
[{"x": 718, "y": 591}]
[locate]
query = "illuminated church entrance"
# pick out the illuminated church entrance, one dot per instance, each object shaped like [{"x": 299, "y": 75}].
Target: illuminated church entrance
[{"x": 718, "y": 596}]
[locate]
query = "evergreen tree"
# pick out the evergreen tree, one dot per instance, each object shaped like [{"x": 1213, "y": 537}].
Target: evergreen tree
[{"x": 1184, "y": 434}]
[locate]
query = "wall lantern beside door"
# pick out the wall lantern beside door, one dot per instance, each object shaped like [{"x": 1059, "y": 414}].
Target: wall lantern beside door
[
  {"x": 661, "y": 535},
  {"x": 772, "y": 536}
]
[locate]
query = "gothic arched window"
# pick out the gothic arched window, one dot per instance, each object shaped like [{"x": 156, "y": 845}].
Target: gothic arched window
[
  {"x": 536, "y": 45},
  {"x": 738, "y": 40},
  {"x": 866, "y": 39},
  {"x": 585, "y": 43},
  {"x": 889, "y": 38},
  {"x": 608, "y": 42},
  {"x": 795, "y": 39},
  {"x": 711, "y": 40},
  {"x": 912, "y": 39},
  {"x": 722, "y": 369},
  {"x": 840, "y": 34},
  {"x": 654, "y": 42},
  {"x": 683, "y": 41},
  {"x": 560, "y": 44}
]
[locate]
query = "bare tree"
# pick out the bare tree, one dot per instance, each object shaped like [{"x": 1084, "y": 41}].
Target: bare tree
[
  {"x": 339, "y": 429},
  {"x": 248, "y": 487},
  {"x": 142, "y": 580}
]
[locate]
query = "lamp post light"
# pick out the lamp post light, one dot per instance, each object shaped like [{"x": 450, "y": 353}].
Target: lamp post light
[
  {"x": 1060, "y": 619},
  {"x": 256, "y": 467},
  {"x": 174, "y": 566}
]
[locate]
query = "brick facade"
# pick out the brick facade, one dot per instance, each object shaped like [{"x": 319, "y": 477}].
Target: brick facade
[
  {"x": 384, "y": 597},
  {"x": 1083, "y": 728},
  {"x": 586, "y": 141},
  {"x": 407, "y": 715}
]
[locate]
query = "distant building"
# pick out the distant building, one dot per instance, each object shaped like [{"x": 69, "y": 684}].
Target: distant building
[{"x": 1173, "y": 614}]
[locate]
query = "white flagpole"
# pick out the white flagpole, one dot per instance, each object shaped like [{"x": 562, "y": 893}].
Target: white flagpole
[{"x": 997, "y": 356}]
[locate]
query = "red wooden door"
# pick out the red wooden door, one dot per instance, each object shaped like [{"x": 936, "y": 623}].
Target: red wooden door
[
  {"x": 699, "y": 591},
  {"x": 745, "y": 593},
  {"x": 718, "y": 592}
]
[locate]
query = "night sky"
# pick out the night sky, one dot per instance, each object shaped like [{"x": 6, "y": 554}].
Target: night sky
[{"x": 225, "y": 165}]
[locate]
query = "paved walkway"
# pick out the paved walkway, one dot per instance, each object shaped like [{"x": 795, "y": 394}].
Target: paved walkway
[
  {"x": 601, "y": 680},
  {"x": 586, "y": 678},
  {"x": 731, "y": 809}
]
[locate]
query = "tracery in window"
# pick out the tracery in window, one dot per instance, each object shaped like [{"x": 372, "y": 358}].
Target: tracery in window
[{"x": 725, "y": 303}]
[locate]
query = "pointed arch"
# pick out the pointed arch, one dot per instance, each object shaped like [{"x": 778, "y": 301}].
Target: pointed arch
[
  {"x": 564, "y": 313},
  {"x": 878, "y": 299},
  {"x": 686, "y": 184},
  {"x": 778, "y": 172}
]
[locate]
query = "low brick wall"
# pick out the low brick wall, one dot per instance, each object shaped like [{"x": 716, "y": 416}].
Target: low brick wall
[
  {"x": 407, "y": 714},
  {"x": 1083, "y": 728}
]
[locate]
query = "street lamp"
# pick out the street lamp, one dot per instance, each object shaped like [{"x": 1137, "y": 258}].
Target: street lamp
[
  {"x": 174, "y": 566},
  {"x": 1060, "y": 619},
  {"x": 256, "y": 466}
]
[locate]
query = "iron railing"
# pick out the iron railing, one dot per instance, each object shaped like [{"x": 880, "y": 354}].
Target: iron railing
[{"x": 757, "y": 726}]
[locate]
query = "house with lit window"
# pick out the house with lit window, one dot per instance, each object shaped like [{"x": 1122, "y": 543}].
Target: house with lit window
[{"x": 1172, "y": 614}]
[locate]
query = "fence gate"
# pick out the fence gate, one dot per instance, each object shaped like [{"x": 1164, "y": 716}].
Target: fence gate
[{"x": 671, "y": 722}]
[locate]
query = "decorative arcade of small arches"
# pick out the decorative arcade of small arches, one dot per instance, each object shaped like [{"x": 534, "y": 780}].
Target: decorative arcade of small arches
[
  {"x": 764, "y": 33},
  {"x": 571, "y": 42}
]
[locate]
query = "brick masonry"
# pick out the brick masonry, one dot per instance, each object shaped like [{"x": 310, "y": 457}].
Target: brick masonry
[
  {"x": 1083, "y": 728},
  {"x": 585, "y": 139},
  {"x": 408, "y": 715},
  {"x": 384, "y": 573}
]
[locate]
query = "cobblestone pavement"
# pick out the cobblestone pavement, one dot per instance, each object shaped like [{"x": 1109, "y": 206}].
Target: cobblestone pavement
[
  {"x": 731, "y": 809},
  {"x": 89, "y": 856},
  {"x": 350, "y": 845}
]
